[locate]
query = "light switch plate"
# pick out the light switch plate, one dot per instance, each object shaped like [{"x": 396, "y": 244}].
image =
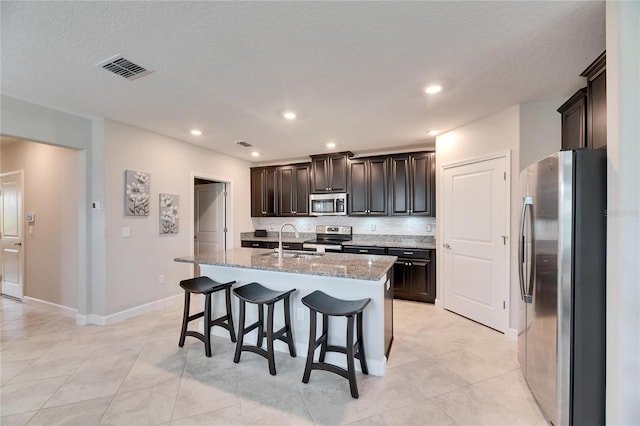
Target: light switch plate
[{"x": 126, "y": 232}]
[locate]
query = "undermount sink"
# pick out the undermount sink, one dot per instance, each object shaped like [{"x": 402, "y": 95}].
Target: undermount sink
[{"x": 295, "y": 254}]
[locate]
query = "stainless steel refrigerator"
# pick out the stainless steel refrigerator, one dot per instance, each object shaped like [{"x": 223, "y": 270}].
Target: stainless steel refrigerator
[{"x": 562, "y": 254}]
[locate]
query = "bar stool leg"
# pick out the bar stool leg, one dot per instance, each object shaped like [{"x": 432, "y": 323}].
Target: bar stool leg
[
  {"x": 351, "y": 370},
  {"x": 361, "y": 354},
  {"x": 325, "y": 335},
  {"x": 185, "y": 318},
  {"x": 270, "y": 355},
  {"x": 236, "y": 358},
  {"x": 312, "y": 346},
  {"x": 206, "y": 321},
  {"x": 232, "y": 333},
  {"x": 260, "y": 326},
  {"x": 287, "y": 324}
]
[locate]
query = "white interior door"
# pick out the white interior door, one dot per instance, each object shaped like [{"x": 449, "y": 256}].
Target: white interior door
[
  {"x": 210, "y": 218},
  {"x": 11, "y": 241},
  {"x": 475, "y": 241}
]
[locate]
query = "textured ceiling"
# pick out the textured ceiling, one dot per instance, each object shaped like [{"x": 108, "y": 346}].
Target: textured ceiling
[{"x": 354, "y": 72}]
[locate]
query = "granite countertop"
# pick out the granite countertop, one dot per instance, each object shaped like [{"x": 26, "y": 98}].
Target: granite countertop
[
  {"x": 341, "y": 265},
  {"x": 373, "y": 240},
  {"x": 399, "y": 241},
  {"x": 392, "y": 244}
]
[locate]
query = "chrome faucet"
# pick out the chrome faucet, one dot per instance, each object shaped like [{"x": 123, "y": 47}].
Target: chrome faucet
[{"x": 280, "y": 238}]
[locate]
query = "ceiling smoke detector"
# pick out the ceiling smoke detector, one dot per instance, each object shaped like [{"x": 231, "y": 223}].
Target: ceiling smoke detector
[
  {"x": 243, "y": 143},
  {"x": 124, "y": 68}
]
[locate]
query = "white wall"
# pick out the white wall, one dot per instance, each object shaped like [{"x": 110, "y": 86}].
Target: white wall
[
  {"x": 134, "y": 264},
  {"x": 494, "y": 134},
  {"x": 540, "y": 130},
  {"x": 530, "y": 132},
  {"x": 37, "y": 123},
  {"x": 623, "y": 218},
  {"x": 51, "y": 192}
]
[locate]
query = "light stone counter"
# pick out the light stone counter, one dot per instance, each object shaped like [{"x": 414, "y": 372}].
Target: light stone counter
[
  {"x": 392, "y": 244},
  {"x": 344, "y": 276},
  {"x": 340, "y": 265}
]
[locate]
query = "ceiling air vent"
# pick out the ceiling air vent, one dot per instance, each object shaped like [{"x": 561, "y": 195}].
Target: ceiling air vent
[
  {"x": 124, "y": 68},
  {"x": 243, "y": 143}
]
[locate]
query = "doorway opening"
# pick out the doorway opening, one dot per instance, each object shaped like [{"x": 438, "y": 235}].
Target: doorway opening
[
  {"x": 43, "y": 229},
  {"x": 210, "y": 217}
]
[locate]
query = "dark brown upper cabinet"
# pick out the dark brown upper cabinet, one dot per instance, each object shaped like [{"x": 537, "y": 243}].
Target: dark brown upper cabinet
[
  {"x": 293, "y": 189},
  {"x": 596, "y": 75},
  {"x": 263, "y": 191},
  {"x": 368, "y": 179},
  {"x": 329, "y": 172},
  {"x": 412, "y": 189},
  {"x": 574, "y": 121}
]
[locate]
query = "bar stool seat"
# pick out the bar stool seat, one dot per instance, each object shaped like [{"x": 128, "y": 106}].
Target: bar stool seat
[
  {"x": 319, "y": 302},
  {"x": 206, "y": 286},
  {"x": 258, "y": 294}
]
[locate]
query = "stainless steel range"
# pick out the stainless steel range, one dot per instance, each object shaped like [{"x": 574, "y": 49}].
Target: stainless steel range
[{"x": 328, "y": 238}]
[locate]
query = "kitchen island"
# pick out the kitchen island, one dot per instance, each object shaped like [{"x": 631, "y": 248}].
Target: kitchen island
[{"x": 345, "y": 276}]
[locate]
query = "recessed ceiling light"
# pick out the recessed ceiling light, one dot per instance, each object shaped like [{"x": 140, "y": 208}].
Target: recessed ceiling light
[
  {"x": 289, "y": 115},
  {"x": 433, "y": 89},
  {"x": 433, "y": 132},
  {"x": 331, "y": 145},
  {"x": 255, "y": 154},
  {"x": 196, "y": 132}
]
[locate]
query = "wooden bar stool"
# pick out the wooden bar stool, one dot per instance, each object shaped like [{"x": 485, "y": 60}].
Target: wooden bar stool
[
  {"x": 206, "y": 286},
  {"x": 260, "y": 295},
  {"x": 319, "y": 302}
]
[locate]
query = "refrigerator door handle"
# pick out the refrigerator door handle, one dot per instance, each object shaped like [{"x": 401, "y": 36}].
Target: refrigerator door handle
[{"x": 527, "y": 202}]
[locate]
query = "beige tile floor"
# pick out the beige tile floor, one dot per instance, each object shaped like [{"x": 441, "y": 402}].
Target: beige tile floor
[{"x": 443, "y": 370}]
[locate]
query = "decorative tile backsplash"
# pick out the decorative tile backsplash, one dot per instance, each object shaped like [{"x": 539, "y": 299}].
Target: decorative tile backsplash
[{"x": 402, "y": 225}]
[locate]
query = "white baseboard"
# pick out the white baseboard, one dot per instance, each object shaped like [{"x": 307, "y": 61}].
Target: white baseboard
[
  {"x": 512, "y": 333},
  {"x": 439, "y": 304},
  {"x": 127, "y": 313},
  {"x": 53, "y": 307}
]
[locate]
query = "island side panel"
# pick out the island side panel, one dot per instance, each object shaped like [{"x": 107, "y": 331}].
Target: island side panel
[{"x": 343, "y": 288}]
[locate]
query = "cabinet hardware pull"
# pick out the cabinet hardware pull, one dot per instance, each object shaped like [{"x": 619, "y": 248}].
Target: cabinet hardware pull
[
  {"x": 407, "y": 252},
  {"x": 364, "y": 251}
]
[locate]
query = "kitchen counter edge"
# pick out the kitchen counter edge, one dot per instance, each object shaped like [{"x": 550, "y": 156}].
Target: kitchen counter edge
[{"x": 337, "y": 265}]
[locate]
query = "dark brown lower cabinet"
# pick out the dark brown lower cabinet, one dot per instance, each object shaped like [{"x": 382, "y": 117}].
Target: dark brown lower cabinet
[{"x": 414, "y": 274}]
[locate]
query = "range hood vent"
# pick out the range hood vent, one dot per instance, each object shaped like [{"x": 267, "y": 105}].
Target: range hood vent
[{"x": 124, "y": 68}]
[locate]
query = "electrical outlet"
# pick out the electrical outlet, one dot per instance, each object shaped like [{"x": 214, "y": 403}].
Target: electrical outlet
[
  {"x": 373, "y": 227},
  {"x": 126, "y": 233},
  {"x": 300, "y": 314},
  {"x": 429, "y": 228},
  {"x": 161, "y": 279}
]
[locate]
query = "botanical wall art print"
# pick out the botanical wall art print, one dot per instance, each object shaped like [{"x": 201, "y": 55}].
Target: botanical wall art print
[
  {"x": 136, "y": 201},
  {"x": 169, "y": 209}
]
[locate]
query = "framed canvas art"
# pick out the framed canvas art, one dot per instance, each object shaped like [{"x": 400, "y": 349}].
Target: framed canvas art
[
  {"x": 136, "y": 198},
  {"x": 169, "y": 214}
]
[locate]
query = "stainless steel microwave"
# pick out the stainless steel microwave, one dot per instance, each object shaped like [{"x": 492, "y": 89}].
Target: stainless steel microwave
[{"x": 328, "y": 204}]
